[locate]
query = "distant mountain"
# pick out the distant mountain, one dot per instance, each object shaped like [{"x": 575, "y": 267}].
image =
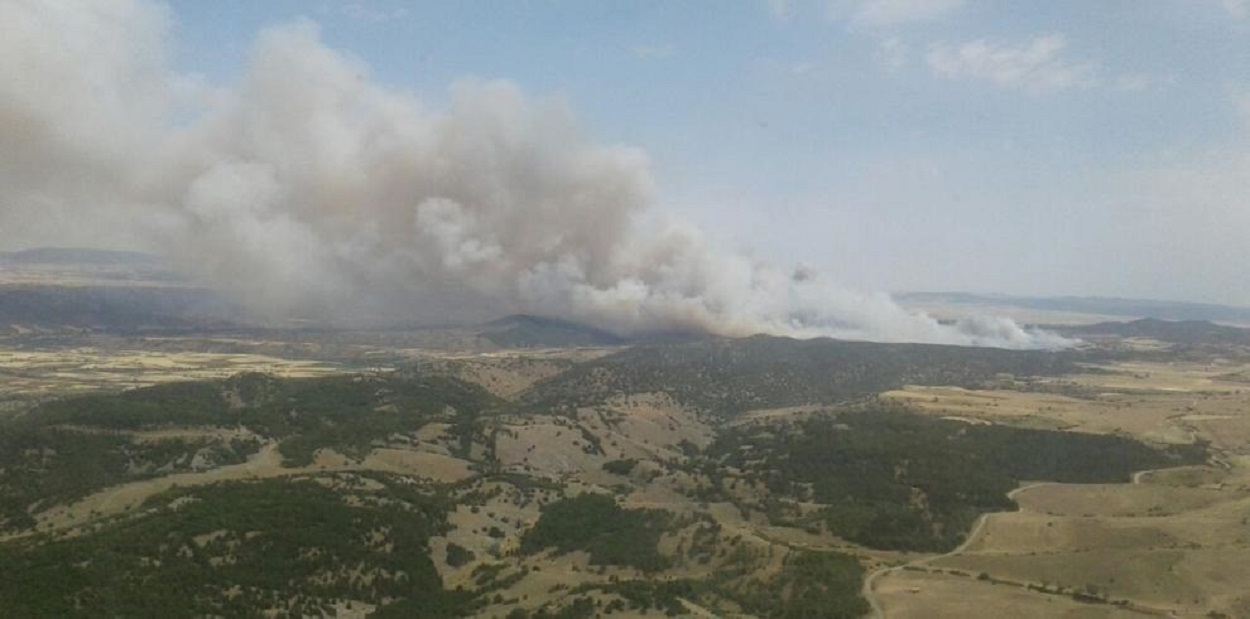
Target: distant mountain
[
  {"x": 55, "y": 288},
  {"x": 82, "y": 266},
  {"x": 115, "y": 308},
  {"x": 1176, "y": 331},
  {"x": 79, "y": 256},
  {"x": 1134, "y": 308},
  {"x": 526, "y": 331}
]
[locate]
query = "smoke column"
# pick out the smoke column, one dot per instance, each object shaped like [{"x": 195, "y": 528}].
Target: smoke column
[{"x": 307, "y": 189}]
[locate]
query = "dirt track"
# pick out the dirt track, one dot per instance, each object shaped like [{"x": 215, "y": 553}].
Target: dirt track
[{"x": 870, "y": 581}]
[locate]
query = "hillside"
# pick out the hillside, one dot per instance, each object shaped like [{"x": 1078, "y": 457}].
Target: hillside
[
  {"x": 302, "y": 546},
  {"x": 616, "y": 482},
  {"x": 728, "y": 376},
  {"x": 525, "y": 331}
]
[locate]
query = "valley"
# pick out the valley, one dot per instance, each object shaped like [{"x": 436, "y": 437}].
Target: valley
[
  {"x": 851, "y": 309},
  {"x": 535, "y": 468}
]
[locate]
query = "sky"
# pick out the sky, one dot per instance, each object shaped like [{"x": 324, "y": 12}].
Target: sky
[
  {"x": 1089, "y": 148},
  {"x": 757, "y": 166}
]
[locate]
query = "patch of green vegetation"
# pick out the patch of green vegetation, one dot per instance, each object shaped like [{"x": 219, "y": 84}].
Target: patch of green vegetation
[
  {"x": 596, "y": 524},
  {"x": 811, "y": 585},
  {"x": 459, "y": 556},
  {"x": 344, "y": 412},
  {"x": 349, "y": 413},
  {"x": 646, "y": 595},
  {"x": 159, "y": 406},
  {"x": 240, "y": 549},
  {"x": 818, "y": 585},
  {"x": 620, "y": 467},
  {"x": 593, "y": 445},
  {"x": 44, "y": 466},
  {"x": 486, "y": 573},
  {"x": 895, "y": 480},
  {"x": 523, "y": 482}
]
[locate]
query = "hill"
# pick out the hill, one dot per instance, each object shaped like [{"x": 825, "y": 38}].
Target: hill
[
  {"x": 339, "y": 521},
  {"x": 73, "y": 289},
  {"x": 115, "y": 308},
  {"x": 729, "y": 376},
  {"x": 754, "y": 477},
  {"x": 526, "y": 331},
  {"x": 1108, "y": 306},
  {"x": 1193, "y": 332},
  {"x": 299, "y": 547}
]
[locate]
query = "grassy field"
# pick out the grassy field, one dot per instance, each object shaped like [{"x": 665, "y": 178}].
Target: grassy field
[{"x": 926, "y": 595}]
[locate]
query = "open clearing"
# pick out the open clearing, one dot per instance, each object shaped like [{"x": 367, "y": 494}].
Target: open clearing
[{"x": 927, "y": 595}]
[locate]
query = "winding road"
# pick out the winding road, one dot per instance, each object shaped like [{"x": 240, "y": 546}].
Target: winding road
[
  {"x": 870, "y": 582},
  {"x": 869, "y": 592}
]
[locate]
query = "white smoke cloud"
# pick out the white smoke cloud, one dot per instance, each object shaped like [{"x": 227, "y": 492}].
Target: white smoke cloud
[{"x": 308, "y": 189}]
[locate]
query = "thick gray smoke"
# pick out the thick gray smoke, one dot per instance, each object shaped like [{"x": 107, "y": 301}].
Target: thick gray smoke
[{"x": 309, "y": 190}]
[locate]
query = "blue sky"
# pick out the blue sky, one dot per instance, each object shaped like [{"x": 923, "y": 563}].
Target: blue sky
[{"x": 895, "y": 144}]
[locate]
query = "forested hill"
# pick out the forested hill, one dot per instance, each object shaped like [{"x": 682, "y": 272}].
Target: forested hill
[{"x": 727, "y": 376}]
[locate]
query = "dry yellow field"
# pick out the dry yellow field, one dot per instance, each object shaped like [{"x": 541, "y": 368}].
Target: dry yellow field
[
  {"x": 43, "y": 373},
  {"x": 926, "y": 595},
  {"x": 1155, "y": 402}
]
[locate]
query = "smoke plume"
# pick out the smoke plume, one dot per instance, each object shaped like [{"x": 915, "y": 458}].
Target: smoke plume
[{"x": 307, "y": 189}]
